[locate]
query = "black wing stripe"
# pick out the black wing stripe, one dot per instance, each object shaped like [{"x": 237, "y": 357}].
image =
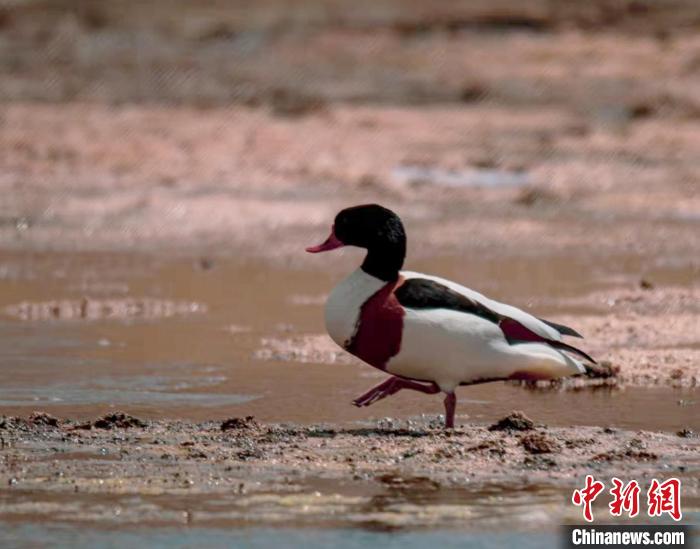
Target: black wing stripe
[
  {"x": 563, "y": 330},
  {"x": 570, "y": 348},
  {"x": 421, "y": 293}
]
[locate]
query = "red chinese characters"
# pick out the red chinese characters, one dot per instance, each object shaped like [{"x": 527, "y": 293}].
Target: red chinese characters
[
  {"x": 587, "y": 495},
  {"x": 665, "y": 497},
  {"x": 662, "y": 498},
  {"x": 625, "y": 498}
]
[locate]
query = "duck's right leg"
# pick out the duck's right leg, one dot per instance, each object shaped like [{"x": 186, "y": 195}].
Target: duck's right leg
[
  {"x": 450, "y": 405},
  {"x": 391, "y": 386}
]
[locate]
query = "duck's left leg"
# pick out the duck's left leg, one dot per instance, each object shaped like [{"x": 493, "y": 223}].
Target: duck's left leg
[
  {"x": 391, "y": 386},
  {"x": 450, "y": 405}
]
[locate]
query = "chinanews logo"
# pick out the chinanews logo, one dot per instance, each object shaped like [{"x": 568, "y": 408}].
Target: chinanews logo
[
  {"x": 662, "y": 498},
  {"x": 628, "y": 536}
]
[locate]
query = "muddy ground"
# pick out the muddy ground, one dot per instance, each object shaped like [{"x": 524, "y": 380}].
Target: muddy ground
[
  {"x": 163, "y": 165},
  {"x": 119, "y": 469}
]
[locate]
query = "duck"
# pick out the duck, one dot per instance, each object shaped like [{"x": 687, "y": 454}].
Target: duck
[{"x": 430, "y": 334}]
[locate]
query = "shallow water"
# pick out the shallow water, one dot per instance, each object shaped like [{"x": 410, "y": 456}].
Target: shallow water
[{"x": 215, "y": 363}]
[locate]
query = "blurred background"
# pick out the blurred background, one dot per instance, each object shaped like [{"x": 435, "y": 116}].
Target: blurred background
[
  {"x": 191, "y": 124},
  {"x": 163, "y": 165}
]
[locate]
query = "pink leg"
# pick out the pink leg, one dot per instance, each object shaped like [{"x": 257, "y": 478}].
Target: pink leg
[
  {"x": 391, "y": 386},
  {"x": 450, "y": 405}
]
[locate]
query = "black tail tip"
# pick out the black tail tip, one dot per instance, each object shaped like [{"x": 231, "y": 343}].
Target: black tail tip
[{"x": 563, "y": 330}]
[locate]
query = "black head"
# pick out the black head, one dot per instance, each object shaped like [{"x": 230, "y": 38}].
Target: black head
[
  {"x": 375, "y": 228},
  {"x": 369, "y": 226}
]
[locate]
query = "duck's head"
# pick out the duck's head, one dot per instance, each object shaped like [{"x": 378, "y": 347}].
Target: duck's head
[{"x": 375, "y": 228}]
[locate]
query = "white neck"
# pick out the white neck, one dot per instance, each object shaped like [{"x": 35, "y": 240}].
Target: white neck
[{"x": 344, "y": 304}]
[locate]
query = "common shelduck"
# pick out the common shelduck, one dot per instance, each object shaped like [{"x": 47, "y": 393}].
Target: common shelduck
[{"x": 431, "y": 334}]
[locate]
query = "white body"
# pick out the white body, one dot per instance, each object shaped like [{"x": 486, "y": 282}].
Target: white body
[{"x": 446, "y": 346}]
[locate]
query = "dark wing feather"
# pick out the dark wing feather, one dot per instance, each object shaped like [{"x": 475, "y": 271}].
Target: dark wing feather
[
  {"x": 421, "y": 293},
  {"x": 563, "y": 330},
  {"x": 566, "y": 347}
]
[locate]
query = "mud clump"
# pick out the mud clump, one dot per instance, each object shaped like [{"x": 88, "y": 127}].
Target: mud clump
[
  {"x": 624, "y": 455},
  {"x": 240, "y": 424},
  {"x": 645, "y": 284},
  {"x": 579, "y": 442},
  {"x": 36, "y": 419},
  {"x": 676, "y": 373},
  {"x": 248, "y": 454},
  {"x": 11, "y": 423},
  {"x": 539, "y": 462},
  {"x": 118, "y": 420},
  {"x": 495, "y": 447},
  {"x": 539, "y": 443},
  {"x": 516, "y": 421},
  {"x": 42, "y": 419},
  {"x": 602, "y": 370}
]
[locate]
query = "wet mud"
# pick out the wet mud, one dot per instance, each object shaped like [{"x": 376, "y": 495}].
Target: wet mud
[{"x": 119, "y": 469}]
